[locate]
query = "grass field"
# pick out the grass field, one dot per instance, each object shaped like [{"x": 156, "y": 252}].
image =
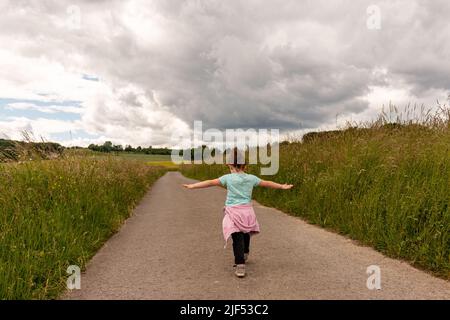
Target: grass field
[
  {"x": 144, "y": 157},
  {"x": 386, "y": 186},
  {"x": 155, "y": 160},
  {"x": 58, "y": 213},
  {"x": 166, "y": 164}
]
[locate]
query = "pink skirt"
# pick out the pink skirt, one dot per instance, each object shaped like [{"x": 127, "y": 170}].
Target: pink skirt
[{"x": 239, "y": 218}]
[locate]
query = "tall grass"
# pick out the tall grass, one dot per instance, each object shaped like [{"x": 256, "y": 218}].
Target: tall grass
[
  {"x": 58, "y": 213},
  {"x": 28, "y": 149},
  {"x": 386, "y": 184}
]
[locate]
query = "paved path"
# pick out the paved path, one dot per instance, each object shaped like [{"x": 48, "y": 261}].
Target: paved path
[{"x": 172, "y": 248}]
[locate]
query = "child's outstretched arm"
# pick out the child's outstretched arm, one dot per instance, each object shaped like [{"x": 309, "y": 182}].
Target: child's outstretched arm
[
  {"x": 203, "y": 184},
  {"x": 274, "y": 185}
]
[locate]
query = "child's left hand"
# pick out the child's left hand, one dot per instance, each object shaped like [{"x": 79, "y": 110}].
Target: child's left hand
[{"x": 188, "y": 186}]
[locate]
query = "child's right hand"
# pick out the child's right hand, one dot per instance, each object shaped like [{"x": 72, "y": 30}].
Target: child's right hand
[{"x": 286, "y": 186}]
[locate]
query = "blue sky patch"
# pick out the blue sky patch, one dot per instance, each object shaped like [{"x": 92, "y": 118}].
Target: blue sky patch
[
  {"x": 90, "y": 77},
  {"x": 6, "y": 112},
  {"x": 69, "y": 135}
]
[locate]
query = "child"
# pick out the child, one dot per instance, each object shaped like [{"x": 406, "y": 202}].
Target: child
[{"x": 239, "y": 220}]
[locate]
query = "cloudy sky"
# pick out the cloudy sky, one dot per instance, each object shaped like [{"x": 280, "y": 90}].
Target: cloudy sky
[{"x": 136, "y": 72}]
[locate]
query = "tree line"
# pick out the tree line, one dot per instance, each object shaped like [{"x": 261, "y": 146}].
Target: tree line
[{"x": 108, "y": 146}]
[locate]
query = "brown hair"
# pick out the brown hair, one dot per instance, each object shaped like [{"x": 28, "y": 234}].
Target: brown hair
[{"x": 236, "y": 159}]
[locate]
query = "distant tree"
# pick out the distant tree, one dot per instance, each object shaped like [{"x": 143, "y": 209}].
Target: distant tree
[
  {"x": 107, "y": 146},
  {"x": 129, "y": 148},
  {"x": 117, "y": 148}
]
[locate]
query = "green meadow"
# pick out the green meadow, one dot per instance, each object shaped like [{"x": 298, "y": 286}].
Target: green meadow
[
  {"x": 384, "y": 184},
  {"x": 56, "y": 213},
  {"x": 144, "y": 157}
]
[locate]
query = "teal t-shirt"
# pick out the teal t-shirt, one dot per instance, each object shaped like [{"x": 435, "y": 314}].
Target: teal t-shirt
[{"x": 239, "y": 187}]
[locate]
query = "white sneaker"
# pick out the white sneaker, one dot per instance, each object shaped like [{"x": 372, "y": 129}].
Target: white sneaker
[{"x": 240, "y": 270}]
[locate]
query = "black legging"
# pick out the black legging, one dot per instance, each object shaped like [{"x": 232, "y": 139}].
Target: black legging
[{"x": 241, "y": 245}]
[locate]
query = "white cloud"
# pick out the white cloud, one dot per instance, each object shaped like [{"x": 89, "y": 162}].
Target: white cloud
[
  {"x": 128, "y": 114},
  {"x": 13, "y": 127}
]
